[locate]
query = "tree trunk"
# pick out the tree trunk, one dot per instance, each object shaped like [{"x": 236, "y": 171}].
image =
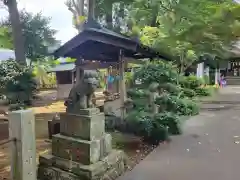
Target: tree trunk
[
  {"x": 91, "y": 7},
  {"x": 18, "y": 39},
  {"x": 109, "y": 18},
  {"x": 77, "y": 9},
  {"x": 79, "y": 13}
]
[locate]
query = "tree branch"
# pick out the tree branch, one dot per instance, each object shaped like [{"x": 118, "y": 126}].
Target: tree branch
[
  {"x": 75, "y": 5},
  {"x": 70, "y": 6},
  {"x": 3, "y": 5}
]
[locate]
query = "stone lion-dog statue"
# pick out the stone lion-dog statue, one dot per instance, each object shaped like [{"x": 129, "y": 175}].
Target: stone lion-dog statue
[{"x": 82, "y": 93}]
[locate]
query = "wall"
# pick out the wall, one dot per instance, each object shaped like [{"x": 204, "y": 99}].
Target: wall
[
  {"x": 63, "y": 90},
  {"x": 223, "y": 65},
  {"x": 41, "y": 128},
  {"x": 3, "y": 130}
]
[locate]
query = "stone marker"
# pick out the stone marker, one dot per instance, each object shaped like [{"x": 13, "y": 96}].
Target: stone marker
[
  {"x": 82, "y": 150},
  {"x": 23, "y": 156}
]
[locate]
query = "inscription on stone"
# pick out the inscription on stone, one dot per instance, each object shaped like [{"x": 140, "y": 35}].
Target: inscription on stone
[
  {"x": 49, "y": 174},
  {"x": 66, "y": 176}
]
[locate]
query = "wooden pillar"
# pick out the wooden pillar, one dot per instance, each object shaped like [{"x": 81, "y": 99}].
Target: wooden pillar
[
  {"x": 73, "y": 77},
  {"x": 109, "y": 73},
  {"x": 23, "y": 150},
  {"x": 122, "y": 84}
]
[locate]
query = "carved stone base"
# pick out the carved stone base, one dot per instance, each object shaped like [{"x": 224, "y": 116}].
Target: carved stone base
[
  {"x": 54, "y": 168},
  {"x": 82, "y": 151},
  {"x": 88, "y": 125}
]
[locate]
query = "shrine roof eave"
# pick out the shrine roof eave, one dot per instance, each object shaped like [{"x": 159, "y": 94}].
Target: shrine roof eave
[{"x": 100, "y": 43}]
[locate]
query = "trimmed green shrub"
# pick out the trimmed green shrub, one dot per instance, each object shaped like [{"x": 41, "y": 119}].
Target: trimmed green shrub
[
  {"x": 170, "y": 88},
  {"x": 144, "y": 125},
  {"x": 183, "y": 107},
  {"x": 187, "y": 107},
  {"x": 171, "y": 121},
  {"x": 188, "y": 93},
  {"x": 175, "y": 101},
  {"x": 203, "y": 91},
  {"x": 137, "y": 93},
  {"x": 191, "y": 82},
  {"x": 159, "y": 72}
]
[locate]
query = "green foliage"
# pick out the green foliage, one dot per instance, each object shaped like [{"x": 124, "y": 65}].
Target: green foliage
[
  {"x": 102, "y": 82},
  {"x": 6, "y": 40},
  {"x": 37, "y": 33},
  {"x": 40, "y": 71},
  {"x": 203, "y": 91},
  {"x": 188, "y": 93},
  {"x": 206, "y": 79},
  {"x": 171, "y": 103},
  {"x": 171, "y": 121},
  {"x": 186, "y": 29},
  {"x": 17, "y": 82},
  {"x": 112, "y": 13},
  {"x": 137, "y": 93},
  {"x": 174, "y": 101},
  {"x": 129, "y": 79},
  {"x": 143, "y": 124},
  {"x": 191, "y": 82},
  {"x": 170, "y": 88},
  {"x": 182, "y": 29},
  {"x": 159, "y": 72}
]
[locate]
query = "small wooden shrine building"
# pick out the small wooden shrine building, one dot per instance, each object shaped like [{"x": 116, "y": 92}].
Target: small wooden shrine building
[
  {"x": 103, "y": 45},
  {"x": 65, "y": 77}
]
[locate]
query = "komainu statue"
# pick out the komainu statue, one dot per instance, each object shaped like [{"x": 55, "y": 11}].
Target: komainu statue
[{"x": 81, "y": 95}]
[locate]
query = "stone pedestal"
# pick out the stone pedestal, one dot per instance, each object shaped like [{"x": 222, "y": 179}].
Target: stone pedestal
[{"x": 82, "y": 150}]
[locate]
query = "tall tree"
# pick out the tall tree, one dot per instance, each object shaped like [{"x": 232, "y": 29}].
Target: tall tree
[
  {"x": 91, "y": 8},
  {"x": 79, "y": 14},
  {"x": 39, "y": 36},
  {"x": 18, "y": 39},
  {"x": 186, "y": 29},
  {"x": 112, "y": 13},
  {"x": 81, "y": 10}
]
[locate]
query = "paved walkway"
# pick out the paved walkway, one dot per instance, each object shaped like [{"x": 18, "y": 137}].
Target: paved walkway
[{"x": 208, "y": 150}]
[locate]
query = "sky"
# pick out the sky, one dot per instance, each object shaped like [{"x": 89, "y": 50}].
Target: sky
[{"x": 61, "y": 18}]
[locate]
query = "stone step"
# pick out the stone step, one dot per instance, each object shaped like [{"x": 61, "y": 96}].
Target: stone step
[{"x": 233, "y": 80}]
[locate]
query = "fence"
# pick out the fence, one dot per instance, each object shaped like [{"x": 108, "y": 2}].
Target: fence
[
  {"x": 47, "y": 86},
  {"x": 5, "y": 158},
  {"x": 22, "y": 145}
]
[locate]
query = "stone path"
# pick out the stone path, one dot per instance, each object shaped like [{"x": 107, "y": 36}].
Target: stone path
[{"x": 209, "y": 149}]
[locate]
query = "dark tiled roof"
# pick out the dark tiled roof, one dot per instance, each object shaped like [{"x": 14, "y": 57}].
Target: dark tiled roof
[{"x": 96, "y": 42}]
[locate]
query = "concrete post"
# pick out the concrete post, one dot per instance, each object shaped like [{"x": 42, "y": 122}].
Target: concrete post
[{"x": 23, "y": 161}]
